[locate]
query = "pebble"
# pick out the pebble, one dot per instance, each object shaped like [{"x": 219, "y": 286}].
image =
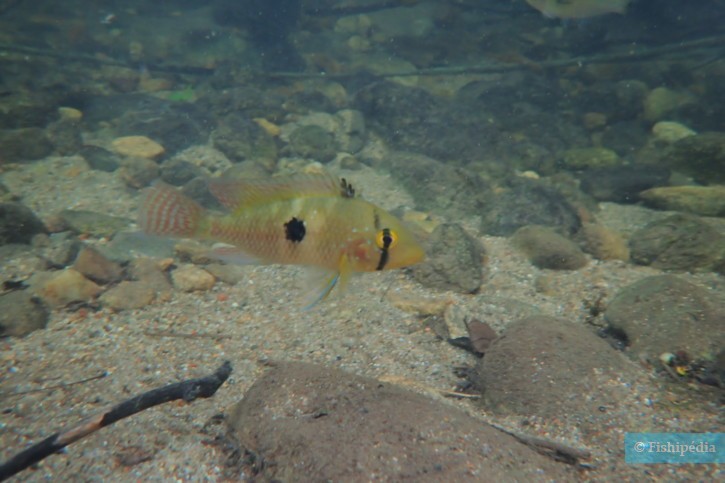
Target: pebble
[
  {"x": 679, "y": 242},
  {"x": 18, "y": 223},
  {"x": 229, "y": 274},
  {"x": 66, "y": 286},
  {"x": 547, "y": 249},
  {"x": 454, "y": 260},
  {"x": 552, "y": 368},
  {"x": 590, "y": 158},
  {"x": 26, "y": 144},
  {"x": 700, "y": 200},
  {"x": 594, "y": 121},
  {"x": 128, "y": 295},
  {"x": 420, "y": 306},
  {"x": 661, "y": 101},
  {"x": 138, "y": 172},
  {"x": 100, "y": 159},
  {"x": 189, "y": 278},
  {"x": 59, "y": 249},
  {"x": 97, "y": 267},
  {"x": 152, "y": 273},
  {"x": 21, "y": 314},
  {"x": 271, "y": 128},
  {"x": 666, "y": 313},
  {"x": 70, "y": 114},
  {"x": 668, "y": 132},
  {"x": 194, "y": 252},
  {"x": 603, "y": 243},
  {"x": 139, "y": 146}
]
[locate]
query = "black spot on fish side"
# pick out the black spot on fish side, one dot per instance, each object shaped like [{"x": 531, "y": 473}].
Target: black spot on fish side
[{"x": 294, "y": 230}]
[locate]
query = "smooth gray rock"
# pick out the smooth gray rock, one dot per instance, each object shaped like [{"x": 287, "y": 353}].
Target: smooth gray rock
[
  {"x": 665, "y": 313},
  {"x": 454, "y": 260},
  {"x": 311, "y": 423}
]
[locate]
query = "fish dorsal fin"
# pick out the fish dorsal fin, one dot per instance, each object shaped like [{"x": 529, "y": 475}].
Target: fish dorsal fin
[{"x": 235, "y": 194}]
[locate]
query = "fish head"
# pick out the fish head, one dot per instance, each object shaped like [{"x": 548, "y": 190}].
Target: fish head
[{"x": 390, "y": 245}]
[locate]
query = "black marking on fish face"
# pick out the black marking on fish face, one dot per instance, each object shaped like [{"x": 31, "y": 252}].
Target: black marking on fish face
[
  {"x": 376, "y": 220},
  {"x": 384, "y": 250},
  {"x": 347, "y": 191},
  {"x": 294, "y": 230}
]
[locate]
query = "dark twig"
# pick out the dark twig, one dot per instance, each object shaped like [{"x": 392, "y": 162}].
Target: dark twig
[
  {"x": 188, "y": 390},
  {"x": 57, "y": 386},
  {"x": 558, "y": 451}
]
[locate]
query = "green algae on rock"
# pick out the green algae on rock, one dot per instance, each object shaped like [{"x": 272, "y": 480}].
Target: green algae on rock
[{"x": 700, "y": 200}]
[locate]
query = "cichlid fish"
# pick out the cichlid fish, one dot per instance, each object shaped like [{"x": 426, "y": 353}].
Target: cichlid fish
[
  {"x": 306, "y": 219},
  {"x": 578, "y": 8}
]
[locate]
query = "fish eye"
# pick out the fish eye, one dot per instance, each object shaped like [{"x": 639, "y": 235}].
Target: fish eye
[{"x": 386, "y": 239}]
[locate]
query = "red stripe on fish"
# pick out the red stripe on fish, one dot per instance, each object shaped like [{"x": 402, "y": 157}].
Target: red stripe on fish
[{"x": 165, "y": 211}]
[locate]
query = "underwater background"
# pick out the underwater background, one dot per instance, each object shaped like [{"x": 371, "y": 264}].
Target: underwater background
[{"x": 562, "y": 163}]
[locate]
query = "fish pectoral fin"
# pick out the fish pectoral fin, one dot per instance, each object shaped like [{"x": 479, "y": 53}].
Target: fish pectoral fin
[
  {"x": 314, "y": 297},
  {"x": 235, "y": 256},
  {"x": 327, "y": 281}
]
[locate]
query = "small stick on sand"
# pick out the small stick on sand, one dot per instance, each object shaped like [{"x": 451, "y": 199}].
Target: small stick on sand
[
  {"x": 188, "y": 390},
  {"x": 556, "y": 450}
]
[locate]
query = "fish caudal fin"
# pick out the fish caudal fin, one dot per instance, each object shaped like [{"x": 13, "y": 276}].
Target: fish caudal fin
[{"x": 165, "y": 211}]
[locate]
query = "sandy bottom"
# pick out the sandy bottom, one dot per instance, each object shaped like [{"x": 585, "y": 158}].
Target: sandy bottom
[{"x": 260, "y": 318}]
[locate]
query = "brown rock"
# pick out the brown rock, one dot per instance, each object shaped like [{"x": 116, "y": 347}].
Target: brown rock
[
  {"x": 139, "y": 146},
  {"x": 603, "y": 243},
  {"x": 230, "y": 274},
  {"x": 21, "y": 314},
  {"x": 138, "y": 172},
  {"x": 128, "y": 295},
  {"x": 700, "y": 200},
  {"x": 66, "y": 286},
  {"x": 665, "y": 313},
  {"x": 98, "y": 268},
  {"x": 189, "y": 278},
  {"x": 550, "y": 367},
  {"x": 153, "y": 274},
  {"x": 313, "y": 423},
  {"x": 547, "y": 249}
]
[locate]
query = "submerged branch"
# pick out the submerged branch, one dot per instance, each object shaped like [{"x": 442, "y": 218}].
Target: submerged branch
[
  {"x": 632, "y": 55},
  {"x": 188, "y": 390}
]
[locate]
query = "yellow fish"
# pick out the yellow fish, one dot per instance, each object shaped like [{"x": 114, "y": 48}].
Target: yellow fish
[
  {"x": 578, "y": 8},
  {"x": 306, "y": 219}
]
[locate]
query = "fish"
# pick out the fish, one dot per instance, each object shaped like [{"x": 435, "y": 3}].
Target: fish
[
  {"x": 578, "y": 8},
  {"x": 305, "y": 219}
]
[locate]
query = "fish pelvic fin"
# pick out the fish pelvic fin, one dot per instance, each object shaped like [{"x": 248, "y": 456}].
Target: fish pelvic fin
[
  {"x": 165, "y": 211},
  {"x": 329, "y": 281}
]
